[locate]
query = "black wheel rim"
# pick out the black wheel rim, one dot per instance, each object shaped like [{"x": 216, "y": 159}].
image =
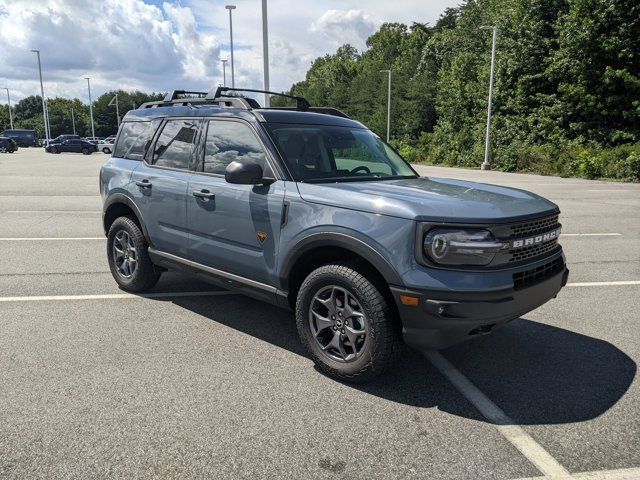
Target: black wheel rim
[
  {"x": 125, "y": 255},
  {"x": 338, "y": 323}
]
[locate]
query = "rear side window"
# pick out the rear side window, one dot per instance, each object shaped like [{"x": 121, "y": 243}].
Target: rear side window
[
  {"x": 229, "y": 141},
  {"x": 174, "y": 146},
  {"x": 134, "y": 140}
]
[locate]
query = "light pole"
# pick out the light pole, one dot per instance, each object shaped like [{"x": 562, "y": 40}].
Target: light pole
[
  {"x": 388, "y": 103},
  {"x": 233, "y": 78},
  {"x": 93, "y": 133},
  {"x": 10, "y": 114},
  {"x": 224, "y": 71},
  {"x": 265, "y": 52},
  {"x": 486, "y": 165},
  {"x": 73, "y": 121},
  {"x": 44, "y": 107}
]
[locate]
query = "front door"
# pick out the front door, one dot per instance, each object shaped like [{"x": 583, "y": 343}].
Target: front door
[
  {"x": 234, "y": 228},
  {"x": 159, "y": 187}
]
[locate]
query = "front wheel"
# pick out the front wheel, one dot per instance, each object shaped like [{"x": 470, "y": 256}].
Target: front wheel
[
  {"x": 346, "y": 324},
  {"x": 128, "y": 256},
  {"x": 85, "y": 151}
]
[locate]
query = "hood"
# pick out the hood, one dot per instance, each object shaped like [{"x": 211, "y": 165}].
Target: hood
[{"x": 432, "y": 199}]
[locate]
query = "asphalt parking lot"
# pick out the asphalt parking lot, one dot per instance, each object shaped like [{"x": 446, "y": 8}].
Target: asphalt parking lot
[{"x": 191, "y": 381}]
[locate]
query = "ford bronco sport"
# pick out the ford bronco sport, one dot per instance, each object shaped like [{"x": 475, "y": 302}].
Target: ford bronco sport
[{"x": 307, "y": 209}]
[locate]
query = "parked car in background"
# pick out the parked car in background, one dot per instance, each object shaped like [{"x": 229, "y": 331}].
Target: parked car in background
[
  {"x": 110, "y": 139},
  {"x": 103, "y": 145},
  {"x": 91, "y": 139},
  {"x": 23, "y": 138},
  {"x": 74, "y": 145},
  {"x": 62, "y": 138},
  {"x": 7, "y": 145}
]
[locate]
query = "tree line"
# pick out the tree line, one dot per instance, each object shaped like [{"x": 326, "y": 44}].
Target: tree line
[
  {"x": 566, "y": 95},
  {"x": 27, "y": 113}
]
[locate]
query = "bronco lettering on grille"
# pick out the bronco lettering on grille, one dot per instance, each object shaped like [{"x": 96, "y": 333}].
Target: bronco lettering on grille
[{"x": 542, "y": 238}]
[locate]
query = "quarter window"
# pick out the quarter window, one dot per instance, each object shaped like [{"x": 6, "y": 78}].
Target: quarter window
[
  {"x": 134, "y": 140},
  {"x": 175, "y": 144},
  {"x": 229, "y": 141}
]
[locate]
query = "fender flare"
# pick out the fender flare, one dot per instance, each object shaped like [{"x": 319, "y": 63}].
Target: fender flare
[
  {"x": 126, "y": 200},
  {"x": 341, "y": 240}
]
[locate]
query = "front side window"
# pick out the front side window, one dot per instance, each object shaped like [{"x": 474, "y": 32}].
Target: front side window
[
  {"x": 134, "y": 140},
  {"x": 229, "y": 141},
  {"x": 324, "y": 153},
  {"x": 174, "y": 146}
]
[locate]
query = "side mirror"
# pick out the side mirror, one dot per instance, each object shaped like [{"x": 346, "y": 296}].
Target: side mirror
[{"x": 245, "y": 173}]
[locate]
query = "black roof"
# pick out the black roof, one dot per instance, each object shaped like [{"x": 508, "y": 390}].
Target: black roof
[{"x": 265, "y": 115}]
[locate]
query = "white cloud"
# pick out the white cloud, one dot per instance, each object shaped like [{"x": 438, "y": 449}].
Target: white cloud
[
  {"x": 345, "y": 26},
  {"x": 160, "y": 45}
]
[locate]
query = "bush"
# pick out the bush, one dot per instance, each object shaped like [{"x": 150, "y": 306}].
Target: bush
[{"x": 592, "y": 162}]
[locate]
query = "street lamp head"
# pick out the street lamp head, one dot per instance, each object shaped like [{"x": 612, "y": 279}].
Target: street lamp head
[
  {"x": 230, "y": 7},
  {"x": 35, "y": 51}
]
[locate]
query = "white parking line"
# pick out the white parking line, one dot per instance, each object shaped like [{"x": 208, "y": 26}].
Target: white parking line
[
  {"x": 620, "y": 474},
  {"x": 115, "y": 296},
  {"x": 54, "y": 211},
  {"x": 42, "y": 239},
  {"x": 603, "y": 284},
  {"x": 514, "y": 434},
  {"x": 591, "y": 235}
]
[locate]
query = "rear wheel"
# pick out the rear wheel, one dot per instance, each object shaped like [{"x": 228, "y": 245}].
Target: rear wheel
[
  {"x": 346, "y": 324},
  {"x": 128, "y": 257},
  {"x": 106, "y": 150},
  {"x": 85, "y": 151}
]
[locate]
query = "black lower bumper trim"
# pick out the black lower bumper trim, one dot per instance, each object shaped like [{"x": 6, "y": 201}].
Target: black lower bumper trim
[{"x": 442, "y": 319}]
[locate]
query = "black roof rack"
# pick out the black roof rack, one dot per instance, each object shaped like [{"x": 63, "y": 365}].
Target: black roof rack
[{"x": 219, "y": 97}]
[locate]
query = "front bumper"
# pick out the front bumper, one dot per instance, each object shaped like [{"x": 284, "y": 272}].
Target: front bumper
[{"x": 444, "y": 318}]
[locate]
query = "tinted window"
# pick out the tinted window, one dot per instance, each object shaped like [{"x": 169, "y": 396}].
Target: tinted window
[
  {"x": 230, "y": 141},
  {"x": 175, "y": 144},
  {"x": 134, "y": 140}
]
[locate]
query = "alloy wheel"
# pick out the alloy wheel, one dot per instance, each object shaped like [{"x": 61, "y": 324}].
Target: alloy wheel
[
  {"x": 125, "y": 256},
  {"x": 338, "y": 323}
]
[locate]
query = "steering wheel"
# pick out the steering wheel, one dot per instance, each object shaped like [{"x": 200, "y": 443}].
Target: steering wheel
[{"x": 364, "y": 168}]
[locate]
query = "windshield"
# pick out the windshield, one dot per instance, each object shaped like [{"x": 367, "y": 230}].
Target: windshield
[{"x": 322, "y": 153}]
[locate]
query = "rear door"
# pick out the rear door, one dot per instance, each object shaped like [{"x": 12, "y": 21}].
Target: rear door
[
  {"x": 159, "y": 184},
  {"x": 235, "y": 228}
]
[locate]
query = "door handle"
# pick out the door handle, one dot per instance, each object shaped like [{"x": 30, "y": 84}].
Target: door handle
[
  {"x": 203, "y": 193},
  {"x": 144, "y": 183}
]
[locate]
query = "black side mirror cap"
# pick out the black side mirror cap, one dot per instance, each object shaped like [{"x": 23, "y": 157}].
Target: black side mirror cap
[{"x": 246, "y": 173}]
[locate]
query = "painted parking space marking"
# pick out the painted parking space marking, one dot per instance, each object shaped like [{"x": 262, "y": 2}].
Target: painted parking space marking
[
  {"x": 46, "y": 239},
  {"x": 513, "y": 433},
  {"x": 603, "y": 284},
  {"x": 591, "y": 235},
  {"x": 619, "y": 474},
  {"x": 115, "y": 296},
  {"x": 53, "y": 211}
]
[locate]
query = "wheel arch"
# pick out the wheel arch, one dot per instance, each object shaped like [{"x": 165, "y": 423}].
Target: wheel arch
[
  {"x": 119, "y": 205},
  {"x": 322, "y": 248}
]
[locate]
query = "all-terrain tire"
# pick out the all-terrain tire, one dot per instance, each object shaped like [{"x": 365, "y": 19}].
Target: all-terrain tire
[
  {"x": 145, "y": 275},
  {"x": 382, "y": 342}
]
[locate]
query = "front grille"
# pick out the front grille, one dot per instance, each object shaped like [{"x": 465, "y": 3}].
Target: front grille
[
  {"x": 536, "y": 275},
  {"x": 532, "y": 251},
  {"x": 533, "y": 227}
]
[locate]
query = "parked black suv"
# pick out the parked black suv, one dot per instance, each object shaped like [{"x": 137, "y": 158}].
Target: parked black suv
[{"x": 23, "y": 138}]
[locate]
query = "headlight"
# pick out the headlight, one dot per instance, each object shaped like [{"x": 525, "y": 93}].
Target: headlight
[{"x": 461, "y": 247}]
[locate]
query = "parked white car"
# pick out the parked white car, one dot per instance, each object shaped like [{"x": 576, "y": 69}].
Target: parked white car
[{"x": 103, "y": 146}]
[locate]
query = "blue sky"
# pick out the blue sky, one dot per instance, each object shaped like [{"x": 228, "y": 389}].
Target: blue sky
[{"x": 157, "y": 45}]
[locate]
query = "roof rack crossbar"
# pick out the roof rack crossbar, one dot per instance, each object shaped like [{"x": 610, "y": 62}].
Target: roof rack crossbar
[
  {"x": 170, "y": 96},
  {"x": 301, "y": 102}
]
